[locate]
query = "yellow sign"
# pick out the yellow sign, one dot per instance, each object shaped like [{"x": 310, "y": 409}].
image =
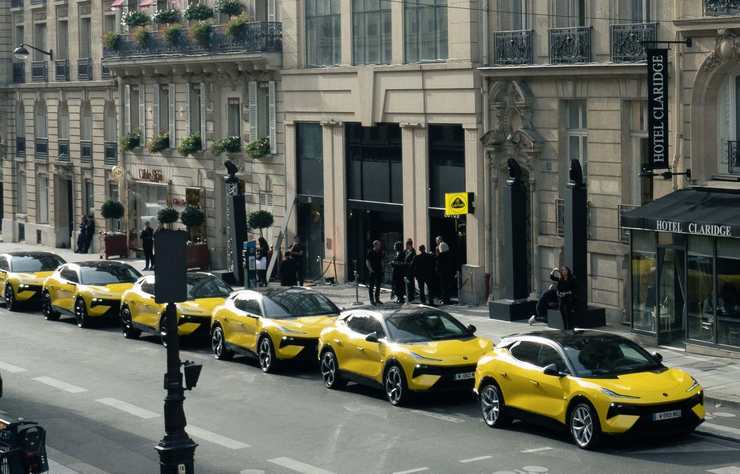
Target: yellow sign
[{"x": 457, "y": 204}]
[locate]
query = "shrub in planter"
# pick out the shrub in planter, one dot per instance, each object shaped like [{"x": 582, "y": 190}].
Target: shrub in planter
[
  {"x": 190, "y": 144},
  {"x": 229, "y": 7},
  {"x": 236, "y": 27},
  {"x": 111, "y": 209},
  {"x": 111, "y": 41},
  {"x": 159, "y": 142},
  {"x": 260, "y": 220},
  {"x": 167, "y": 216},
  {"x": 142, "y": 37},
  {"x": 201, "y": 33},
  {"x": 131, "y": 140},
  {"x": 198, "y": 12},
  {"x": 174, "y": 35},
  {"x": 259, "y": 148},
  {"x": 135, "y": 18},
  {"x": 166, "y": 16},
  {"x": 228, "y": 145},
  {"x": 192, "y": 217}
]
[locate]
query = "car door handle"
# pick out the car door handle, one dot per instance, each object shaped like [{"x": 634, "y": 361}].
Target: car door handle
[
  {"x": 534, "y": 382},
  {"x": 361, "y": 349}
]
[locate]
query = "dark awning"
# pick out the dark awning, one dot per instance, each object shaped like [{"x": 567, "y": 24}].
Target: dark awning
[{"x": 696, "y": 211}]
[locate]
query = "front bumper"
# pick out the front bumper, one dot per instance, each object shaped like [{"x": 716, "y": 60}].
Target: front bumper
[
  {"x": 291, "y": 347},
  {"x": 635, "y": 419},
  {"x": 442, "y": 378},
  {"x": 193, "y": 325},
  {"x": 104, "y": 307},
  {"x": 27, "y": 292}
]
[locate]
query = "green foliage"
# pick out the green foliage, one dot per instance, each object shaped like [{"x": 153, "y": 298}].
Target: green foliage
[
  {"x": 229, "y": 7},
  {"x": 166, "y": 16},
  {"x": 228, "y": 145},
  {"x": 190, "y": 144},
  {"x": 167, "y": 215},
  {"x": 174, "y": 34},
  {"x": 260, "y": 220},
  {"x": 236, "y": 27},
  {"x": 142, "y": 37},
  {"x": 198, "y": 12},
  {"x": 259, "y": 148},
  {"x": 136, "y": 18},
  {"x": 201, "y": 32},
  {"x": 111, "y": 209},
  {"x": 131, "y": 140},
  {"x": 159, "y": 142},
  {"x": 192, "y": 216},
  {"x": 111, "y": 40}
]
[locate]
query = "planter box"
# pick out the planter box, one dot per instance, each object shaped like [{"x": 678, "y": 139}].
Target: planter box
[
  {"x": 115, "y": 245},
  {"x": 197, "y": 256}
]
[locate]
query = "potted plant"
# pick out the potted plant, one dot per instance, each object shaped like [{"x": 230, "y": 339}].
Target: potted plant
[
  {"x": 236, "y": 27},
  {"x": 190, "y": 144},
  {"x": 192, "y": 217},
  {"x": 201, "y": 32},
  {"x": 259, "y": 148},
  {"x": 111, "y": 41},
  {"x": 142, "y": 37},
  {"x": 228, "y": 145},
  {"x": 159, "y": 142},
  {"x": 131, "y": 141},
  {"x": 260, "y": 220},
  {"x": 229, "y": 7},
  {"x": 198, "y": 12},
  {"x": 174, "y": 34},
  {"x": 114, "y": 242},
  {"x": 166, "y": 16},
  {"x": 167, "y": 216},
  {"x": 135, "y": 18}
]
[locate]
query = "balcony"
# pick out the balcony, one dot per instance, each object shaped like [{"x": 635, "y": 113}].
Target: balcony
[
  {"x": 42, "y": 148},
  {"x": 627, "y": 41},
  {"x": 721, "y": 7},
  {"x": 39, "y": 71},
  {"x": 86, "y": 151},
  {"x": 570, "y": 45},
  {"x": 63, "y": 151},
  {"x": 61, "y": 70},
  {"x": 110, "y": 156},
  {"x": 19, "y": 73},
  {"x": 84, "y": 69},
  {"x": 38, "y": 2},
  {"x": 16, "y": 3},
  {"x": 105, "y": 72},
  {"x": 20, "y": 147},
  {"x": 513, "y": 47}
]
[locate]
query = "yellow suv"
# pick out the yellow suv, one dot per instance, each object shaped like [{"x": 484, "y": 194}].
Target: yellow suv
[
  {"x": 140, "y": 313},
  {"x": 87, "y": 290},
  {"x": 22, "y": 275}
]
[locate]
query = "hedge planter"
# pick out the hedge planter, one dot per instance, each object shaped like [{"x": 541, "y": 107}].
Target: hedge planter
[
  {"x": 259, "y": 148},
  {"x": 114, "y": 245},
  {"x": 227, "y": 145},
  {"x": 166, "y": 16},
  {"x": 236, "y": 27},
  {"x": 159, "y": 143},
  {"x": 175, "y": 35},
  {"x": 190, "y": 145},
  {"x": 135, "y": 18},
  {"x": 131, "y": 141},
  {"x": 229, "y": 7},
  {"x": 167, "y": 216},
  {"x": 202, "y": 33},
  {"x": 198, "y": 12},
  {"x": 111, "y": 41},
  {"x": 142, "y": 37}
]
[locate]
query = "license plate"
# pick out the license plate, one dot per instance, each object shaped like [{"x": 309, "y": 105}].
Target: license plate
[
  {"x": 465, "y": 376},
  {"x": 666, "y": 415}
]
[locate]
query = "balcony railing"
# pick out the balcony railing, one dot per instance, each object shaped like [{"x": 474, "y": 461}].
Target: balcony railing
[
  {"x": 259, "y": 37},
  {"x": 105, "y": 72},
  {"x": 39, "y": 71},
  {"x": 85, "y": 151},
  {"x": 61, "y": 70},
  {"x": 733, "y": 157},
  {"x": 513, "y": 47},
  {"x": 570, "y": 45},
  {"x": 16, "y": 3},
  {"x": 38, "y": 2},
  {"x": 110, "y": 156},
  {"x": 20, "y": 146},
  {"x": 84, "y": 69},
  {"x": 628, "y": 41},
  {"x": 63, "y": 152},
  {"x": 19, "y": 73},
  {"x": 721, "y": 7},
  {"x": 42, "y": 148}
]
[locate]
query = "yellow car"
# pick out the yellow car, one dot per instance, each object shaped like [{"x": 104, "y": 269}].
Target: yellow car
[
  {"x": 592, "y": 382},
  {"x": 87, "y": 290},
  {"x": 22, "y": 275},
  {"x": 274, "y": 324},
  {"x": 400, "y": 349},
  {"x": 139, "y": 311}
]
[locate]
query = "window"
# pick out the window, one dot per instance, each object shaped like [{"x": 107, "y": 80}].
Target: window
[
  {"x": 62, "y": 51},
  {"x": 109, "y": 24},
  {"x": 700, "y": 307},
  {"x": 426, "y": 30},
  {"x": 39, "y": 41},
  {"x": 309, "y": 144},
  {"x": 42, "y": 198},
  {"x": 20, "y": 121},
  {"x": 250, "y": 306},
  {"x": 86, "y": 122},
  {"x": 607, "y": 355},
  {"x": 374, "y": 163},
  {"x": 40, "y": 120},
  {"x": 88, "y": 197},
  {"x": 512, "y": 15},
  {"x": 422, "y": 326},
  {"x": 371, "y": 31},
  {"x": 85, "y": 38},
  {"x": 569, "y": 13},
  {"x": 446, "y": 162},
  {"x": 323, "y": 33},
  {"x": 263, "y": 110},
  {"x": 147, "y": 287},
  {"x": 644, "y": 280},
  {"x": 635, "y": 11},
  {"x": 20, "y": 189},
  {"x": 291, "y": 304},
  {"x": 69, "y": 275},
  {"x": 548, "y": 356},
  {"x": 106, "y": 274},
  {"x": 195, "y": 106},
  {"x": 4, "y": 264},
  {"x": 113, "y": 193},
  {"x": 34, "y": 263},
  {"x": 527, "y": 351},
  {"x": 18, "y": 33},
  {"x": 728, "y": 292},
  {"x": 163, "y": 120},
  {"x": 359, "y": 323},
  {"x": 233, "y": 117},
  {"x": 133, "y": 112},
  {"x": 110, "y": 123},
  {"x": 577, "y": 133}
]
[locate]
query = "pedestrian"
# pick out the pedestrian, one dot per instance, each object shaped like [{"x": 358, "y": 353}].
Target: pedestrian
[
  {"x": 82, "y": 235},
  {"x": 548, "y": 300},
  {"x": 374, "y": 264},
  {"x": 437, "y": 240},
  {"x": 445, "y": 271},
  {"x": 147, "y": 242},
  {"x": 422, "y": 267},
  {"x": 409, "y": 255},
  {"x": 89, "y": 233},
  {"x": 288, "y": 270},
  {"x": 261, "y": 266},
  {"x": 399, "y": 272},
  {"x": 298, "y": 254},
  {"x": 566, "y": 286}
]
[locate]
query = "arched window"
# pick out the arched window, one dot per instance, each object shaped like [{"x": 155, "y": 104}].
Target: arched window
[
  {"x": 110, "y": 122},
  {"x": 86, "y": 125},
  {"x": 20, "y": 130},
  {"x": 63, "y": 130},
  {"x": 41, "y": 130}
]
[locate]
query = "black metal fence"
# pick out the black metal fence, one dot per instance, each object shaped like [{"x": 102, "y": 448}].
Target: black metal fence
[
  {"x": 627, "y": 41},
  {"x": 721, "y": 7},
  {"x": 570, "y": 45},
  {"x": 84, "y": 69},
  {"x": 513, "y": 47},
  {"x": 39, "y": 71},
  {"x": 61, "y": 69}
]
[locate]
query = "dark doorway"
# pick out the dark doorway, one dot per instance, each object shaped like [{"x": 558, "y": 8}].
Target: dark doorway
[
  {"x": 311, "y": 230},
  {"x": 365, "y": 225}
]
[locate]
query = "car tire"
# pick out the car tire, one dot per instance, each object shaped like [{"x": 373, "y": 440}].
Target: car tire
[
  {"x": 492, "y": 406},
  {"x": 218, "y": 344},
  {"x": 394, "y": 383},
  {"x": 266, "y": 355},
  {"x": 127, "y": 327},
  {"x": 47, "y": 309},
  {"x": 584, "y": 426},
  {"x": 81, "y": 317},
  {"x": 329, "y": 366},
  {"x": 9, "y": 295}
]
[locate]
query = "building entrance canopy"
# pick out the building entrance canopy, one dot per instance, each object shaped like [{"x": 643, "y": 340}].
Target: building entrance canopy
[{"x": 693, "y": 211}]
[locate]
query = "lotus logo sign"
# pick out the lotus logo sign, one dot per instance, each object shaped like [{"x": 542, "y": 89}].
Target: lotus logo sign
[{"x": 458, "y": 204}]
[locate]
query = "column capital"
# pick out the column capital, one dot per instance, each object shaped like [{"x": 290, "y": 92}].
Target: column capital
[
  {"x": 412, "y": 125},
  {"x": 329, "y": 123}
]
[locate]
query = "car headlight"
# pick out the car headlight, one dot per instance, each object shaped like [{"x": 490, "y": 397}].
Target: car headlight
[
  {"x": 423, "y": 357},
  {"x": 613, "y": 394},
  {"x": 694, "y": 384}
]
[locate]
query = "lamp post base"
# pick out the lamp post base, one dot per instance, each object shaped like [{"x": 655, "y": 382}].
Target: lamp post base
[{"x": 176, "y": 454}]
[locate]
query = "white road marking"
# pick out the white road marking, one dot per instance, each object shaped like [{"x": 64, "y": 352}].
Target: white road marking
[
  {"x": 726, "y": 470},
  {"x": 128, "y": 408},
  {"x": 479, "y": 458},
  {"x": 57, "y": 468},
  {"x": 418, "y": 469},
  {"x": 438, "y": 416},
  {"x": 723, "y": 414},
  {"x": 725, "y": 429},
  {"x": 67, "y": 387},
  {"x": 536, "y": 450},
  {"x": 215, "y": 438},
  {"x": 252, "y": 471},
  {"x": 10, "y": 368},
  {"x": 298, "y": 466}
]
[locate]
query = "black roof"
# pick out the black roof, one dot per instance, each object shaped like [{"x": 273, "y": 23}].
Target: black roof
[
  {"x": 567, "y": 336},
  {"x": 102, "y": 264},
  {"x": 279, "y": 290},
  {"x": 389, "y": 310},
  {"x": 31, "y": 254}
]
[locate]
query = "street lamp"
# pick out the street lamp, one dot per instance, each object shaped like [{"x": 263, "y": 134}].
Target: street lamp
[{"x": 21, "y": 53}]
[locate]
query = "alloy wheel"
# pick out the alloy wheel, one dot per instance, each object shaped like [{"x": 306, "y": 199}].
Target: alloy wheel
[
  {"x": 81, "y": 314},
  {"x": 127, "y": 327},
  {"x": 582, "y": 425},
  {"x": 47, "y": 309},
  {"x": 490, "y": 404},
  {"x": 9, "y": 298},
  {"x": 329, "y": 369},
  {"x": 265, "y": 354},
  {"x": 394, "y": 385}
]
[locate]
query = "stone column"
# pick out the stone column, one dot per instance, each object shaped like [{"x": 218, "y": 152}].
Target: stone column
[
  {"x": 346, "y": 31},
  {"x": 415, "y": 168},
  {"x": 291, "y": 178},
  {"x": 397, "y": 36},
  {"x": 335, "y": 199},
  {"x": 475, "y": 183}
]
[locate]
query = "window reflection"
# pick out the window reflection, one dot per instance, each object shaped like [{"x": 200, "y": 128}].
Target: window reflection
[
  {"x": 643, "y": 291},
  {"x": 728, "y": 301},
  {"x": 700, "y": 298}
]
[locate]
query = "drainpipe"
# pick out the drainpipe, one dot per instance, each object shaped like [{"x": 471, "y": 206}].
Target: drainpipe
[{"x": 677, "y": 123}]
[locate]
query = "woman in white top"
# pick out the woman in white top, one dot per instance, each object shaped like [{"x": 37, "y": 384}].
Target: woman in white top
[{"x": 261, "y": 265}]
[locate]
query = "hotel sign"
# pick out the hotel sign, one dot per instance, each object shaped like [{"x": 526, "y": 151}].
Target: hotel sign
[
  {"x": 693, "y": 228},
  {"x": 657, "y": 64}
]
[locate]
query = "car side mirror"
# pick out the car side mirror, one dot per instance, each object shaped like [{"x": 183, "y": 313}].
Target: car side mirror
[
  {"x": 372, "y": 337},
  {"x": 472, "y": 328},
  {"x": 657, "y": 356},
  {"x": 552, "y": 370}
]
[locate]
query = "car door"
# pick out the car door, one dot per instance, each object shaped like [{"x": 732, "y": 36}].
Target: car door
[
  {"x": 368, "y": 355},
  {"x": 4, "y": 271},
  {"x": 66, "y": 289},
  {"x": 548, "y": 390},
  {"x": 356, "y": 331},
  {"x": 147, "y": 310},
  {"x": 249, "y": 323},
  {"x": 522, "y": 375}
]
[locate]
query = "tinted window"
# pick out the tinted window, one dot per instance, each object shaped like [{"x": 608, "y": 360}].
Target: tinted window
[
  {"x": 206, "y": 286},
  {"x": 69, "y": 275},
  {"x": 425, "y": 326},
  {"x": 359, "y": 324},
  {"x": 527, "y": 351},
  {"x": 607, "y": 356},
  {"x": 108, "y": 274},
  {"x": 250, "y": 306},
  {"x": 4, "y": 264},
  {"x": 148, "y": 287},
  {"x": 373, "y": 325},
  {"x": 35, "y": 263},
  {"x": 548, "y": 356},
  {"x": 294, "y": 304}
]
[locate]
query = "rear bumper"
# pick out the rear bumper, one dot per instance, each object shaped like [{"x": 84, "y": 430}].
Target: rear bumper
[{"x": 633, "y": 419}]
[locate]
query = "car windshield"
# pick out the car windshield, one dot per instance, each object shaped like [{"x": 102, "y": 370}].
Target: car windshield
[
  {"x": 206, "y": 286},
  {"x": 295, "y": 304},
  {"x": 425, "y": 326},
  {"x": 107, "y": 274},
  {"x": 607, "y": 356},
  {"x": 34, "y": 263}
]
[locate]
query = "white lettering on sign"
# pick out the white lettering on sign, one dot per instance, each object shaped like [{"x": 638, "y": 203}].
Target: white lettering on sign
[{"x": 714, "y": 230}]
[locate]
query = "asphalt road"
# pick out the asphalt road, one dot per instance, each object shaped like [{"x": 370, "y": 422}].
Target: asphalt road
[{"x": 100, "y": 398}]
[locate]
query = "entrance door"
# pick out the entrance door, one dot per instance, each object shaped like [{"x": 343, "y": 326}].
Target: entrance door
[
  {"x": 671, "y": 312},
  {"x": 64, "y": 212},
  {"x": 311, "y": 230},
  {"x": 366, "y": 225}
]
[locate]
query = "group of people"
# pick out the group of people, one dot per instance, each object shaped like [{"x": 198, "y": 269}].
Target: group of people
[
  {"x": 559, "y": 295},
  {"x": 432, "y": 273},
  {"x": 85, "y": 235}
]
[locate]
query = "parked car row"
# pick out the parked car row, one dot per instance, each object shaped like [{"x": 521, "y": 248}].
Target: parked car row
[{"x": 592, "y": 383}]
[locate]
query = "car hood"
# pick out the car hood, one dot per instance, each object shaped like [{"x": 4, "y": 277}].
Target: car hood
[
  {"x": 200, "y": 306},
  {"x": 113, "y": 290},
  {"x": 36, "y": 278},
  {"x": 653, "y": 386},
  {"x": 308, "y": 326},
  {"x": 453, "y": 352}
]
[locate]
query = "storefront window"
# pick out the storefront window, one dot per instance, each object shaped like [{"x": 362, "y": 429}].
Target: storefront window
[
  {"x": 374, "y": 163},
  {"x": 309, "y": 156},
  {"x": 700, "y": 299},
  {"x": 147, "y": 200},
  {"x": 728, "y": 292},
  {"x": 643, "y": 281},
  {"x": 446, "y": 162}
]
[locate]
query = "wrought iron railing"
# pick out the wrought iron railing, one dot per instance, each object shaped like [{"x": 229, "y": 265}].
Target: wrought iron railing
[
  {"x": 624, "y": 234},
  {"x": 513, "y": 47},
  {"x": 86, "y": 151},
  {"x": 63, "y": 150},
  {"x": 628, "y": 41},
  {"x": 20, "y": 146},
  {"x": 61, "y": 70},
  {"x": 84, "y": 69},
  {"x": 39, "y": 71},
  {"x": 38, "y": 2},
  {"x": 721, "y": 7},
  {"x": 570, "y": 45},
  {"x": 258, "y": 37},
  {"x": 105, "y": 72},
  {"x": 42, "y": 148},
  {"x": 733, "y": 157},
  {"x": 19, "y": 73},
  {"x": 16, "y": 3},
  {"x": 110, "y": 156}
]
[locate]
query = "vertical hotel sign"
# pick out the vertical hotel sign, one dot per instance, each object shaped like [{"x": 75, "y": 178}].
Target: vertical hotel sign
[{"x": 657, "y": 64}]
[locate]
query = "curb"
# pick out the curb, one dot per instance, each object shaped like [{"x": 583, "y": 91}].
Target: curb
[
  {"x": 722, "y": 436},
  {"x": 728, "y": 403}
]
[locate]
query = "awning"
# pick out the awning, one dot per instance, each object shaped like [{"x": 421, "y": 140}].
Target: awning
[
  {"x": 116, "y": 5},
  {"x": 695, "y": 211},
  {"x": 145, "y": 3}
]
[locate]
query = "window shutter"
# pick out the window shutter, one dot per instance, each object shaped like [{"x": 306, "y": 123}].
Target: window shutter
[
  {"x": 273, "y": 117},
  {"x": 127, "y": 108},
  {"x": 271, "y": 10},
  {"x": 189, "y": 102},
  {"x": 203, "y": 108},
  {"x": 172, "y": 125},
  {"x": 252, "y": 111},
  {"x": 142, "y": 112},
  {"x": 156, "y": 126}
]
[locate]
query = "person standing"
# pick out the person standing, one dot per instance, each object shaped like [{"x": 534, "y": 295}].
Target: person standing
[
  {"x": 566, "y": 286},
  {"x": 147, "y": 242},
  {"x": 409, "y": 255},
  {"x": 445, "y": 271},
  {"x": 261, "y": 267},
  {"x": 288, "y": 270},
  {"x": 422, "y": 267},
  {"x": 82, "y": 235},
  {"x": 399, "y": 272},
  {"x": 298, "y": 254},
  {"x": 374, "y": 264},
  {"x": 89, "y": 233}
]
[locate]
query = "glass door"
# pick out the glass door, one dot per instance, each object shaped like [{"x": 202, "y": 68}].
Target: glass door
[{"x": 671, "y": 309}]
